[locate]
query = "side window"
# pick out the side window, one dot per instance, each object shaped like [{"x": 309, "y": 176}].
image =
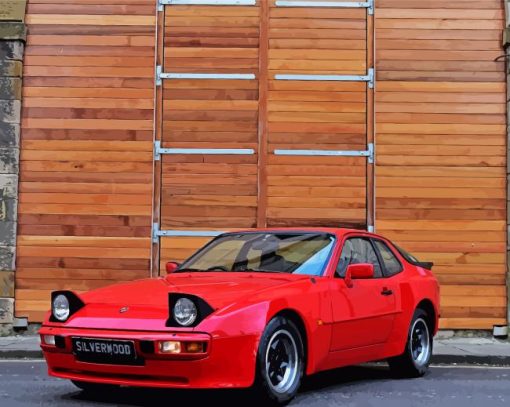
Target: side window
[
  {"x": 358, "y": 250},
  {"x": 391, "y": 263}
]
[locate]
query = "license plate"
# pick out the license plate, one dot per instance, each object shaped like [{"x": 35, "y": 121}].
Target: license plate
[{"x": 105, "y": 351}]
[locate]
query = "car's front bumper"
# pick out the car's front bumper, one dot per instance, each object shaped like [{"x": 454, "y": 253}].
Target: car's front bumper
[{"x": 228, "y": 362}]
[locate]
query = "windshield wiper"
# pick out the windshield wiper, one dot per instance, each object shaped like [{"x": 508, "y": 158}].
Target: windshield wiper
[
  {"x": 186, "y": 270},
  {"x": 260, "y": 271}
]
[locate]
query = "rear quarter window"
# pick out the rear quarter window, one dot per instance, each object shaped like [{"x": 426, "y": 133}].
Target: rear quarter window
[{"x": 391, "y": 263}]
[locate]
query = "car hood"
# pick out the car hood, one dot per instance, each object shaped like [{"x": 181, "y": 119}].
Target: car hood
[
  {"x": 217, "y": 289},
  {"x": 221, "y": 289},
  {"x": 147, "y": 300}
]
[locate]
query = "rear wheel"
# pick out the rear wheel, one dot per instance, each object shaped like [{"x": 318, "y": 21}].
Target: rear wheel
[
  {"x": 415, "y": 360},
  {"x": 93, "y": 387},
  {"x": 280, "y": 362}
]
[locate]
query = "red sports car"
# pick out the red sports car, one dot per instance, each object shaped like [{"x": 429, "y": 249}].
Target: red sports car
[{"x": 254, "y": 309}]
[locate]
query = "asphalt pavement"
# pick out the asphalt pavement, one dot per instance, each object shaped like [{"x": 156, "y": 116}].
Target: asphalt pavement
[{"x": 25, "y": 383}]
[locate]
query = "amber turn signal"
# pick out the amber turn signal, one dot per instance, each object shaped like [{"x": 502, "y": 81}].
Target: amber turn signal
[{"x": 194, "y": 347}]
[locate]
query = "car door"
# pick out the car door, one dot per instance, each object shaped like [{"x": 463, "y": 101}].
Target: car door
[{"x": 363, "y": 314}]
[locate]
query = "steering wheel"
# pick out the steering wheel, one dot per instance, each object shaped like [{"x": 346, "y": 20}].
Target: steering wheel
[{"x": 222, "y": 268}]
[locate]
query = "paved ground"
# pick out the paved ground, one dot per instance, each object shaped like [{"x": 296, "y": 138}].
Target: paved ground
[{"x": 25, "y": 383}]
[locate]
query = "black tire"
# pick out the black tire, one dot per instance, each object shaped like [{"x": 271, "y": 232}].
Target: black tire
[
  {"x": 413, "y": 362},
  {"x": 93, "y": 388},
  {"x": 280, "y": 340}
]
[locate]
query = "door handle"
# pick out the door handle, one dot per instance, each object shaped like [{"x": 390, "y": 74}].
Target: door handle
[{"x": 386, "y": 291}]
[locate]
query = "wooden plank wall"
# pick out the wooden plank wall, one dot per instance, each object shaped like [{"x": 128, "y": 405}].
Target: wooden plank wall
[
  {"x": 441, "y": 153},
  {"x": 86, "y": 167},
  {"x": 86, "y": 158}
]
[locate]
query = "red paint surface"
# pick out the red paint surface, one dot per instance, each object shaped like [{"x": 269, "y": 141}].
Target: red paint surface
[{"x": 344, "y": 325}]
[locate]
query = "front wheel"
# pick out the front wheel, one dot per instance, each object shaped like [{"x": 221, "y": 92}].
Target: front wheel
[
  {"x": 280, "y": 362},
  {"x": 415, "y": 360}
]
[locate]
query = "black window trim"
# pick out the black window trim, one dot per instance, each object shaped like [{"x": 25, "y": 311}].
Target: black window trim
[
  {"x": 413, "y": 260},
  {"x": 381, "y": 260}
]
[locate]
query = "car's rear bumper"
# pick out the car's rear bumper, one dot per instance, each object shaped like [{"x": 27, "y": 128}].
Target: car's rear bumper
[{"x": 229, "y": 361}]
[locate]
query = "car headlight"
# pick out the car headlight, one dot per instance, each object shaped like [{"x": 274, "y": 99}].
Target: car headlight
[
  {"x": 64, "y": 304},
  {"x": 185, "y": 312},
  {"x": 61, "y": 308}
]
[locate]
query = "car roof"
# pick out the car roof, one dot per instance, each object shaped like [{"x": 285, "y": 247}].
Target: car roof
[{"x": 338, "y": 232}]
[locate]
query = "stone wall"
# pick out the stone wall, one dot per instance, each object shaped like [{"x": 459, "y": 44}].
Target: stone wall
[{"x": 12, "y": 40}]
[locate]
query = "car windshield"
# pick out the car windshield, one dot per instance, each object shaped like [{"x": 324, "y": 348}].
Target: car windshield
[{"x": 296, "y": 253}]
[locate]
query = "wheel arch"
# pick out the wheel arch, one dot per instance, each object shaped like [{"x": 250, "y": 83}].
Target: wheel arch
[{"x": 428, "y": 306}]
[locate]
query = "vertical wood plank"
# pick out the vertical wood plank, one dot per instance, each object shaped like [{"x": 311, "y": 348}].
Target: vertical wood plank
[
  {"x": 263, "y": 116},
  {"x": 158, "y": 136},
  {"x": 371, "y": 122}
]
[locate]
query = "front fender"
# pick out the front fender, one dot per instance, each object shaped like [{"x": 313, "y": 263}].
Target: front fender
[
  {"x": 310, "y": 303},
  {"x": 237, "y": 320}
]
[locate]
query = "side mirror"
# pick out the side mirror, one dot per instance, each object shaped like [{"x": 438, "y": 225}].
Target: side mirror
[
  {"x": 358, "y": 271},
  {"x": 171, "y": 266}
]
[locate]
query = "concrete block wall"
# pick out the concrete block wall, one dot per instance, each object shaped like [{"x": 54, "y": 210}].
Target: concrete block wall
[{"x": 12, "y": 42}]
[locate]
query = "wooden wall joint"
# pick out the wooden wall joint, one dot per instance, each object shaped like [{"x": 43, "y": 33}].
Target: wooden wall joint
[{"x": 371, "y": 140}]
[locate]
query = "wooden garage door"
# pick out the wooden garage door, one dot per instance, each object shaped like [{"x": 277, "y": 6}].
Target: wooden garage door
[
  {"x": 319, "y": 64},
  {"x": 263, "y": 114},
  {"x": 209, "y": 98}
]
